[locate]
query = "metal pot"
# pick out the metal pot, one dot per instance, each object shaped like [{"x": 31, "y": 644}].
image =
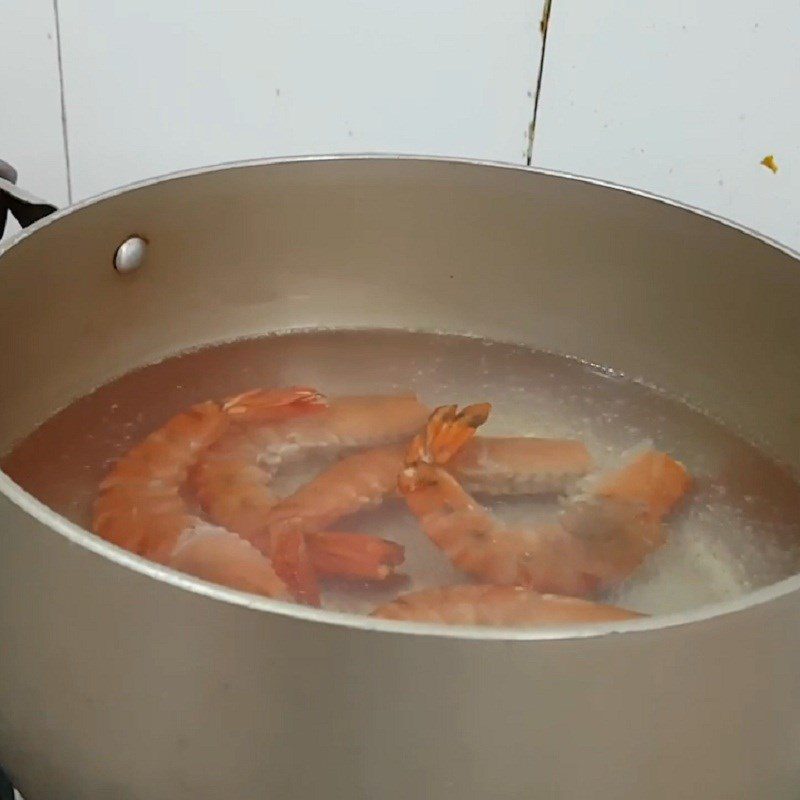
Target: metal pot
[{"x": 123, "y": 679}]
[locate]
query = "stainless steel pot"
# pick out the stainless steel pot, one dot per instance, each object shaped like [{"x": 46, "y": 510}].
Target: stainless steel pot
[{"x": 122, "y": 679}]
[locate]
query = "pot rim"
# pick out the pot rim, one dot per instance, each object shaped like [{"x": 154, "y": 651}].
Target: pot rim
[{"x": 89, "y": 541}]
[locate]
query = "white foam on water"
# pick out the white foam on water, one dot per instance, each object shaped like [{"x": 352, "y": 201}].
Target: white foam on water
[{"x": 712, "y": 554}]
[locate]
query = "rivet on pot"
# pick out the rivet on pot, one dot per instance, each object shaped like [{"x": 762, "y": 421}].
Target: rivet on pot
[{"x": 130, "y": 255}]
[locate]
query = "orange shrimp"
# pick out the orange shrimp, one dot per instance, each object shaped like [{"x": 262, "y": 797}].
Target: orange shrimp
[
  {"x": 517, "y": 465},
  {"x": 501, "y": 606},
  {"x": 141, "y": 507},
  {"x": 513, "y": 465},
  {"x": 598, "y": 539},
  {"x": 232, "y": 479}
]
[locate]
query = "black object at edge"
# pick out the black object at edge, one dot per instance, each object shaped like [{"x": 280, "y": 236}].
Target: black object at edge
[
  {"x": 6, "y": 789},
  {"x": 25, "y": 208}
]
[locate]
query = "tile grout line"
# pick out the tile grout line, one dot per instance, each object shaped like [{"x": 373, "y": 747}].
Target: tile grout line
[
  {"x": 64, "y": 134},
  {"x": 544, "y": 26}
]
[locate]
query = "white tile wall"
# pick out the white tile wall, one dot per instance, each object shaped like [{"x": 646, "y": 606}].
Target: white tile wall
[
  {"x": 159, "y": 85},
  {"x": 682, "y": 98},
  {"x": 30, "y": 103}
]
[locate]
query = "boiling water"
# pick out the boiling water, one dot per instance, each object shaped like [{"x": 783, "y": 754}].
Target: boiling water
[{"x": 739, "y": 530}]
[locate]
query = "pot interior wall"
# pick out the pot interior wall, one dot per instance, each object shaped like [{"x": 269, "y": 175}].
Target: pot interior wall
[{"x": 656, "y": 292}]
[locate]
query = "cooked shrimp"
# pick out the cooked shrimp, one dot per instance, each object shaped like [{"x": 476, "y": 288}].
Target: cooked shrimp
[
  {"x": 141, "y": 507},
  {"x": 517, "y": 465},
  {"x": 513, "y": 465},
  {"x": 233, "y": 478},
  {"x": 219, "y": 556},
  {"x": 598, "y": 539},
  {"x": 358, "y": 421},
  {"x": 620, "y": 514},
  {"x": 353, "y": 556},
  {"x": 501, "y": 606},
  {"x": 358, "y": 481}
]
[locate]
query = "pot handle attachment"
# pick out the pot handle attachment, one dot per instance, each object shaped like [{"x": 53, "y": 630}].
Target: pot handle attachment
[{"x": 25, "y": 208}]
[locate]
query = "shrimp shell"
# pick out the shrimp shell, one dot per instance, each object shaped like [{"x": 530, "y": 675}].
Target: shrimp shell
[
  {"x": 597, "y": 540},
  {"x": 501, "y": 606},
  {"x": 232, "y": 479},
  {"x": 141, "y": 506}
]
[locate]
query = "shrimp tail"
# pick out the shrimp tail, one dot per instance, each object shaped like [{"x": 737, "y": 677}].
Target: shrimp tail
[
  {"x": 292, "y": 562},
  {"x": 354, "y": 556},
  {"x": 446, "y": 432}
]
